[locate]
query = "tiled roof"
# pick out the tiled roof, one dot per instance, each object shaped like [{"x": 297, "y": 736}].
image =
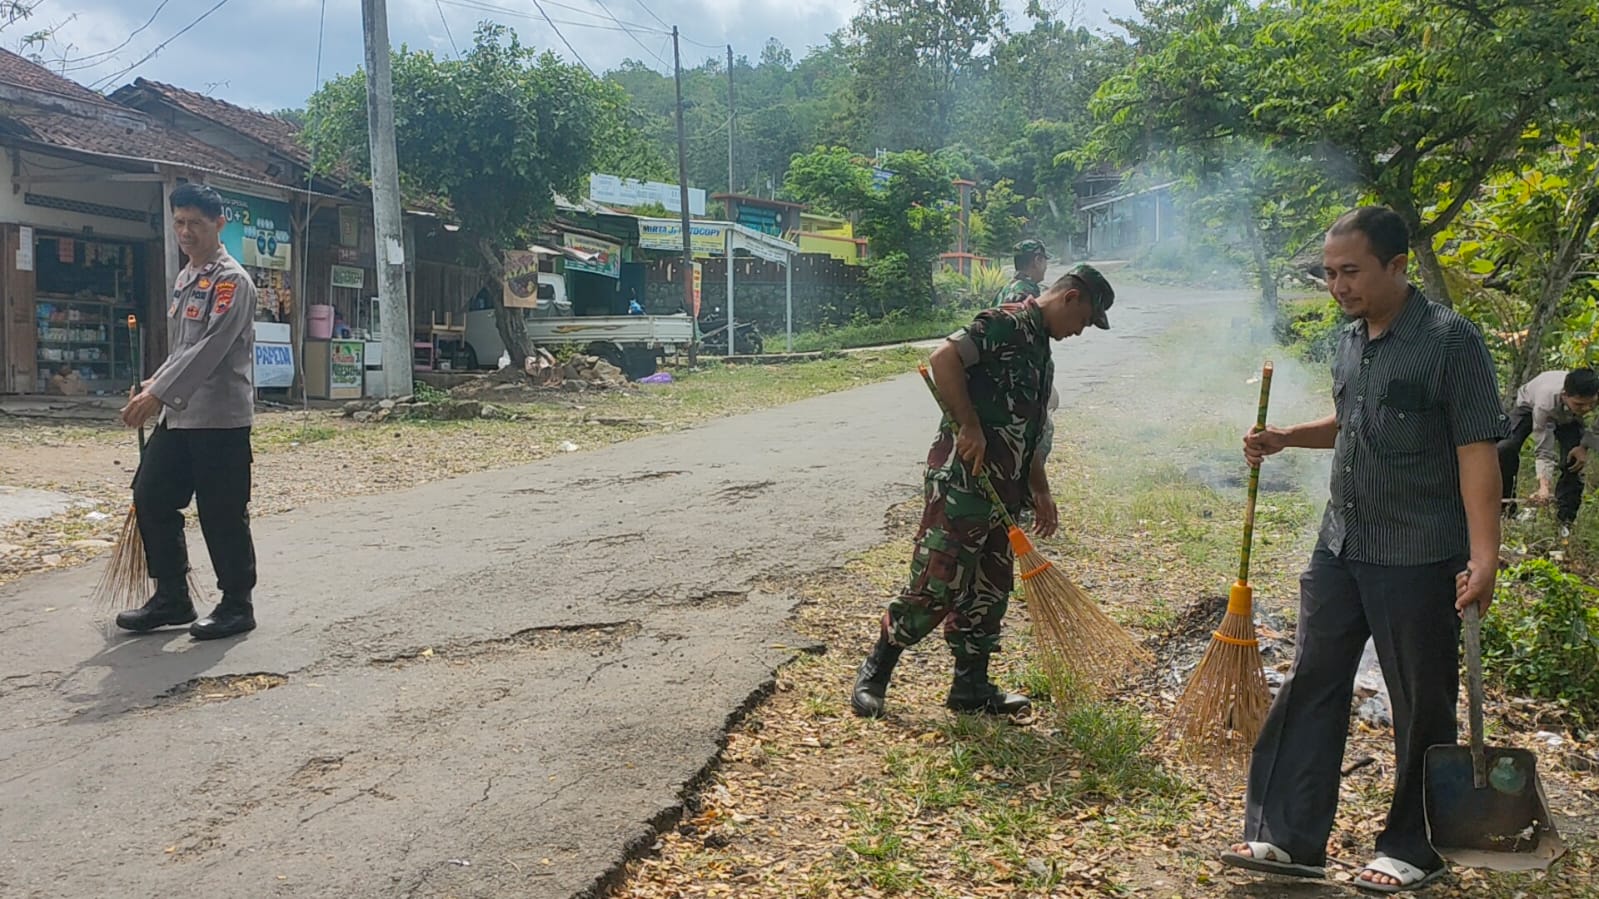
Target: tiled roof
[
  {"x": 269, "y": 130},
  {"x": 24, "y": 73},
  {"x": 91, "y": 123}
]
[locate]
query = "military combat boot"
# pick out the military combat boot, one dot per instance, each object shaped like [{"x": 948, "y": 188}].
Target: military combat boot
[
  {"x": 972, "y": 691},
  {"x": 169, "y": 605},
  {"x": 871, "y": 681},
  {"x": 234, "y": 615}
]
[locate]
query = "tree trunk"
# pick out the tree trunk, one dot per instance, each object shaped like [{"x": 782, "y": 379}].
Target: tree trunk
[
  {"x": 507, "y": 321},
  {"x": 1263, "y": 267},
  {"x": 1432, "y": 271},
  {"x": 1557, "y": 280}
]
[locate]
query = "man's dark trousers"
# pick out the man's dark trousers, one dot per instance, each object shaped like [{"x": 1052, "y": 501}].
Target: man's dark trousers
[
  {"x": 1568, "y": 489},
  {"x": 211, "y": 466},
  {"x": 1409, "y": 611}
]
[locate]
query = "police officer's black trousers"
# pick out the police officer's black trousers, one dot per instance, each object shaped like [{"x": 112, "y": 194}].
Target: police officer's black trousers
[
  {"x": 1409, "y": 611},
  {"x": 213, "y": 468},
  {"x": 1568, "y": 489}
]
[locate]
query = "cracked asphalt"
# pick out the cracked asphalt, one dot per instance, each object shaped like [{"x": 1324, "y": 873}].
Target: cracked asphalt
[{"x": 496, "y": 685}]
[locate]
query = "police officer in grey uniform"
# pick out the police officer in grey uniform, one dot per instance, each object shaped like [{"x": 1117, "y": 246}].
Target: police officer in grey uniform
[{"x": 203, "y": 400}]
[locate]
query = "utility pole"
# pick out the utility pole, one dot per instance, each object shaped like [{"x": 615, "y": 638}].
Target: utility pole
[
  {"x": 682, "y": 192},
  {"x": 732, "y": 118},
  {"x": 392, "y": 301}
]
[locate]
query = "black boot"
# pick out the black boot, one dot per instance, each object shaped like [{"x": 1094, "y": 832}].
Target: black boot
[
  {"x": 973, "y": 692},
  {"x": 234, "y": 615},
  {"x": 871, "y": 681},
  {"x": 169, "y": 606}
]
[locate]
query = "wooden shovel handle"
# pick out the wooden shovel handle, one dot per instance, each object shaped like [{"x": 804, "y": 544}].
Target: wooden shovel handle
[{"x": 1479, "y": 763}]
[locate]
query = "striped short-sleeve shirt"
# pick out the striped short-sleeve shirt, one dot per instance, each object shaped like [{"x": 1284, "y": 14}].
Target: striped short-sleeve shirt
[{"x": 1405, "y": 402}]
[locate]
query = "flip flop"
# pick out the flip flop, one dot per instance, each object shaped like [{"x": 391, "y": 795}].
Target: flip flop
[
  {"x": 1409, "y": 876},
  {"x": 1264, "y": 858}
]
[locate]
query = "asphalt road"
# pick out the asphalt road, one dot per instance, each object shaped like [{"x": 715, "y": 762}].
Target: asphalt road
[{"x": 490, "y": 686}]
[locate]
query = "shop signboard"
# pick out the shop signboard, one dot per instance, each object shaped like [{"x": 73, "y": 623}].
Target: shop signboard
[
  {"x": 521, "y": 279},
  {"x": 666, "y": 234},
  {"x": 274, "y": 365},
  {"x": 630, "y": 192},
  {"x": 346, "y": 371},
  {"x": 256, "y": 231},
  {"x": 349, "y": 277},
  {"x": 607, "y": 255}
]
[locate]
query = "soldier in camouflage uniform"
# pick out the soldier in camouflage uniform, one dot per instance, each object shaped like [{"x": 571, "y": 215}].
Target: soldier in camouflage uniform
[
  {"x": 1031, "y": 262},
  {"x": 996, "y": 377}
]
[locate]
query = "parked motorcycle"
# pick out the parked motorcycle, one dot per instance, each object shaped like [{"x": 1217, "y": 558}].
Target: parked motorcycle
[{"x": 713, "y": 335}]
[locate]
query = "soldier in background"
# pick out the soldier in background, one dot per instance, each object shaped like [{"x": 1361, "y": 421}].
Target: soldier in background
[
  {"x": 1031, "y": 262},
  {"x": 203, "y": 400},
  {"x": 996, "y": 377}
]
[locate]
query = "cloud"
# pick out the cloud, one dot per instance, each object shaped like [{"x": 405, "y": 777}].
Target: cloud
[{"x": 265, "y": 55}]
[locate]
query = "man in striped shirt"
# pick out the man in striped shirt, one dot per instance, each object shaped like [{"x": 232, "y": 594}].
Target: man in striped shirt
[
  {"x": 1550, "y": 408},
  {"x": 1410, "y": 538}
]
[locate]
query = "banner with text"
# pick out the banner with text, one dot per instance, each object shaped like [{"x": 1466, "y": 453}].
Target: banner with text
[
  {"x": 666, "y": 234},
  {"x": 256, "y": 231},
  {"x": 607, "y": 255}
]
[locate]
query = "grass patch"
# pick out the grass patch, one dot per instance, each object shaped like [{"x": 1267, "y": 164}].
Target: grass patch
[{"x": 893, "y": 329}]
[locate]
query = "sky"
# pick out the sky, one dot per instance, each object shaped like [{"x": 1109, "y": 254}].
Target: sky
[{"x": 265, "y": 55}]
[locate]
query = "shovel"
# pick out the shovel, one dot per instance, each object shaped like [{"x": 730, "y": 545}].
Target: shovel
[{"x": 1485, "y": 806}]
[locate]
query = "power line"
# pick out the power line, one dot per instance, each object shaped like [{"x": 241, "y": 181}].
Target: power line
[
  {"x": 630, "y": 34},
  {"x": 93, "y": 59},
  {"x": 558, "y": 34},
  {"x": 159, "y": 47},
  {"x": 447, "y": 32},
  {"x": 652, "y": 14},
  {"x": 544, "y": 17}
]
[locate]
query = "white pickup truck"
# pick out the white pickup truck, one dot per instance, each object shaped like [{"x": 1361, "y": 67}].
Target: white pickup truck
[{"x": 633, "y": 343}]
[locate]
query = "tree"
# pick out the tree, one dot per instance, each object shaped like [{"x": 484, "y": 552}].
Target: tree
[
  {"x": 907, "y": 221},
  {"x": 1421, "y": 100},
  {"x": 908, "y": 57},
  {"x": 1531, "y": 237},
  {"x": 1185, "y": 108},
  {"x": 1002, "y": 227},
  {"x": 496, "y": 134}
]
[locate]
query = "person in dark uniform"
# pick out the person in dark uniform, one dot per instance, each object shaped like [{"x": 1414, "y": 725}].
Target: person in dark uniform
[
  {"x": 1410, "y": 538},
  {"x": 203, "y": 400},
  {"x": 1032, "y": 261}
]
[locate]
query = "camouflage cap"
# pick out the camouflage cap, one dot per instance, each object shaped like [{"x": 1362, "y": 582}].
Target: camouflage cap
[
  {"x": 1031, "y": 247},
  {"x": 1100, "y": 293}
]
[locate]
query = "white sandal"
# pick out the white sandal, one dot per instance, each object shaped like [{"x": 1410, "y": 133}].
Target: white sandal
[
  {"x": 1268, "y": 859},
  {"x": 1409, "y": 876}
]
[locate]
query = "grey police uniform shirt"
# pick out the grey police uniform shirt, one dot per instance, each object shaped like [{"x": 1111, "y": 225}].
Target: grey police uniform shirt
[
  {"x": 208, "y": 379},
  {"x": 1543, "y": 395}
]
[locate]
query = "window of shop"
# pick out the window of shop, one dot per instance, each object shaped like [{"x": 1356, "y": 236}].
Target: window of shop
[{"x": 86, "y": 288}]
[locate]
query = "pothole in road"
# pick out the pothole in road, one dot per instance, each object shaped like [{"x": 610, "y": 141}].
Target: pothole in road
[
  {"x": 221, "y": 689},
  {"x": 597, "y": 637}
]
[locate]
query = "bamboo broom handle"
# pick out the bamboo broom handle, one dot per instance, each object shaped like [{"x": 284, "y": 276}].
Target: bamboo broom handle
[
  {"x": 1254, "y": 478},
  {"x": 982, "y": 476}
]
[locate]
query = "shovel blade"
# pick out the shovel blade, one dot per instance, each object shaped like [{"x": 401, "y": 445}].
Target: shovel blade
[{"x": 1504, "y": 826}]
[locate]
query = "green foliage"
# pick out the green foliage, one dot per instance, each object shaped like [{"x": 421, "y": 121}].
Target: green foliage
[
  {"x": 494, "y": 132},
  {"x": 1541, "y": 638},
  {"x": 1311, "y": 327},
  {"x": 907, "y": 223},
  {"x": 1002, "y": 226},
  {"x": 975, "y": 291}
]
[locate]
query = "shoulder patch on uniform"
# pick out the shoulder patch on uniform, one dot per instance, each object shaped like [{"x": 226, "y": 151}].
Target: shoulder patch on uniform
[{"x": 225, "y": 291}]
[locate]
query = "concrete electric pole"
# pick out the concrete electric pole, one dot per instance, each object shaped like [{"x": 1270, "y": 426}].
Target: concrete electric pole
[{"x": 392, "y": 300}]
